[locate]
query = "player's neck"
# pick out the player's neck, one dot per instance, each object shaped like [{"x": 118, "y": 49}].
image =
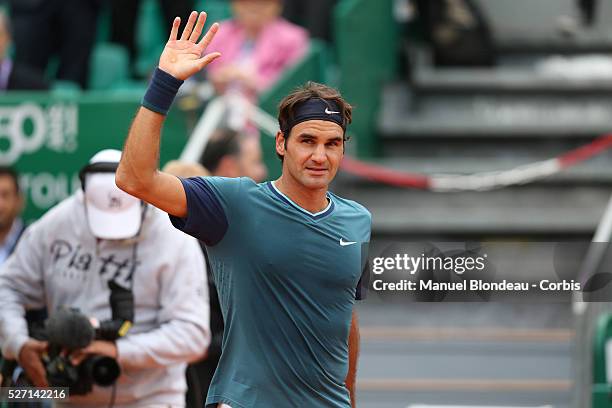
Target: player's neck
[{"x": 312, "y": 200}]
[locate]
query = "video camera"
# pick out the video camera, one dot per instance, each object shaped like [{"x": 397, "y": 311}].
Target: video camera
[{"x": 68, "y": 330}]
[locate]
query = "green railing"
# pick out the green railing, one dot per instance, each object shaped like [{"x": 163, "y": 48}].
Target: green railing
[
  {"x": 49, "y": 137},
  {"x": 366, "y": 42},
  {"x": 602, "y": 387}
]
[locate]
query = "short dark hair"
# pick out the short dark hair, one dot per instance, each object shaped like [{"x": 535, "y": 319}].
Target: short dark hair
[
  {"x": 286, "y": 108},
  {"x": 10, "y": 172},
  {"x": 223, "y": 142}
]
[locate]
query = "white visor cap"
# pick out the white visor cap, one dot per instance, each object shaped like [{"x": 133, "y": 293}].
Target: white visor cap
[{"x": 111, "y": 212}]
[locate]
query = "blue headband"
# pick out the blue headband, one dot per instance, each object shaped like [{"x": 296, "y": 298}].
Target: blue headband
[{"x": 315, "y": 109}]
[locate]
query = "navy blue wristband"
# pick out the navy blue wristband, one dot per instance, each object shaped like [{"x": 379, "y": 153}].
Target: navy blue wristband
[{"x": 161, "y": 92}]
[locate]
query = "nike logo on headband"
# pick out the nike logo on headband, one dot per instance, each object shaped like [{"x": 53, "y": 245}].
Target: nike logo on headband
[{"x": 330, "y": 112}]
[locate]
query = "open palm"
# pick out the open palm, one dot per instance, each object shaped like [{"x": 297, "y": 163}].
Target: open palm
[{"x": 184, "y": 57}]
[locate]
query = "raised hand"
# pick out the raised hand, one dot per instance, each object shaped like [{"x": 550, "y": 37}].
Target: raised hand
[{"x": 184, "y": 57}]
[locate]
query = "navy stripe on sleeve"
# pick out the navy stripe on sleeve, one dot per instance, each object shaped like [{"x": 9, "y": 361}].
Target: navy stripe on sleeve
[
  {"x": 361, "y": 291},
  {"x": 206, "y": 220}
]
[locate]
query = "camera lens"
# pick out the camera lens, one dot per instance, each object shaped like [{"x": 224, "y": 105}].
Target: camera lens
[{"x": 103, "y": 370}]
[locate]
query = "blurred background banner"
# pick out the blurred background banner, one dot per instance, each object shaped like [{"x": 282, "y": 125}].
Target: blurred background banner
[{"x": 48, "y": 139}]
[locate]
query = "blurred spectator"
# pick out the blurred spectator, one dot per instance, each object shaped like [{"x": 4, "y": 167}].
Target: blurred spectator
[
  {"x": 457, "y": 32},
  {"x": 256, "y": 46},
  {"x": 15, "y": 76},
  {"x": 124, "y": 15},
  {"x": 11, "y": 204},
  {"x": 232, "y": 154},
  {"x": 183, "y": 169},
  {"x": 314, "y": 15},
  {"x": 104, "y": 252},
  {"x": 66, "y": 28}
]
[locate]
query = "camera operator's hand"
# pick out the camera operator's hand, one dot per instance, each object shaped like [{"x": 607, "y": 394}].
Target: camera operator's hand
[
  {"x": 30, "y": 359},
  {"x": 99, "y": 347}
]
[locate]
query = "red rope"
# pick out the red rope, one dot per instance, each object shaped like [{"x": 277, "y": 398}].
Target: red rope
[
  {"x": 396, "y": 178},
  {"x": 383, "y": 175},
  {"x": 585, "y": 152}
]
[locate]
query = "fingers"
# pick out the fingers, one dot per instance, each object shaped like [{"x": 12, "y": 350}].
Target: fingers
[
  {"x": 198, "y": 27},
  {"x": 207, "y": 59},
  {"x": 77, "y": 357},
  {"x": 209, "y": 35},
  {"x": 36, "y": 372},
  {"x": 32, "y": 347},
  {"x": 189, "y": 25},
  {"x": 30, "y": 359},
  {"x": 41, "y": 345},
  {"x": 175, "y": 26}
]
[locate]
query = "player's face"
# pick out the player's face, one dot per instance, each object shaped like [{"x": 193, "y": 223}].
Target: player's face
[{"x": 313, "y": 153}]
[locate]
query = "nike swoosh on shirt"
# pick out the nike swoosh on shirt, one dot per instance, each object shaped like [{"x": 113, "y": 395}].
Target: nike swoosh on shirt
[
  {"x": 330, "y": 112},
  {"x": 345, "y": 243}
]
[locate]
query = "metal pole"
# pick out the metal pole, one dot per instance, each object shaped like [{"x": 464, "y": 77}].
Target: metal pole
[
  {"x": 205, "y": 127},
  {"x": 585, "y": 314}
]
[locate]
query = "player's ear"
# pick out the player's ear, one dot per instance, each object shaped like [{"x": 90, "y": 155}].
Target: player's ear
[{"x": 280, "y": 143}]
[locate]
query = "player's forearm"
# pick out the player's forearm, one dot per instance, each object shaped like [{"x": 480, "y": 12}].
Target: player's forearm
[
  {"x": 140, "y": 159},
  {"x": 353, "y": 345}
]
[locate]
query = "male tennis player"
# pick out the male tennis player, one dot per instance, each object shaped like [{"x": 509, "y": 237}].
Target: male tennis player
[{"x": 286, "y": 255}]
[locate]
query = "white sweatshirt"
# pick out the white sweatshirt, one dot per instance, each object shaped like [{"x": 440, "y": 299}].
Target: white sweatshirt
[{"x": 58, "y": 262}]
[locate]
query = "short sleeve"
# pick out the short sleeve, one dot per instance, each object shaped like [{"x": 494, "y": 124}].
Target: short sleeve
[
  {"x": 209, "y": 207},
  {"x": 361, "y": 290}
]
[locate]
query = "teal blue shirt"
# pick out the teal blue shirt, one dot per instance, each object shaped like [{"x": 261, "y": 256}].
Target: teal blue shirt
[{"x": 287, "y": 280}]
